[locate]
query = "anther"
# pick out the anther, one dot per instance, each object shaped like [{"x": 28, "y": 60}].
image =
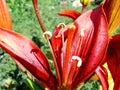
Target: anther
[
  {"x": 48, "y": 33},
  {"x": 79, "y": 63},
  {"x": 82, "y": 34},
  {"x": 63, "y": 26},
  {"x": 71, "y": 26}
]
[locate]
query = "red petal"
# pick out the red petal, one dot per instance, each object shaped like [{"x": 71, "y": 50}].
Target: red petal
[
  {"x": 113, "y": 60},
  {"x": 96, "y": 49},
  {"x": 102, "y": 74},
  {"x": 29, "y": 55},
  {"x": 70, "y": 13}
]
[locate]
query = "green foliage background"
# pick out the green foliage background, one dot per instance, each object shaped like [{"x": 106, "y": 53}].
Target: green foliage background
[{"x": 25, "y": 22}]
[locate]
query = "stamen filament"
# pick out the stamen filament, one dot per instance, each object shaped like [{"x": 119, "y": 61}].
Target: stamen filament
[{"x": 80, "y": 42}]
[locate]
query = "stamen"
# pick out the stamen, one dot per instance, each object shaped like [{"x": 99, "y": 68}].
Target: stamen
[
  {"x": 80, "y": 42},
  {"x": 62, "y": 29},
  {"x": 82, "y": 32},
  {"x": 48, "y": 33},
  {"x": 79, "y": 63},
  {"x": 63, "y": 26},
  {"x": 71, "y": 26}
]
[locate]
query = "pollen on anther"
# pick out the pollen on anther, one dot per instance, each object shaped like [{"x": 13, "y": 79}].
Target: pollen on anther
[{"x": 79, "y": 63}]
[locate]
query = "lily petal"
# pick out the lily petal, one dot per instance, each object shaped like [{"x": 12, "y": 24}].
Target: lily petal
[
  {"x": 113, "y": 60},
  {"x": 95, "y": 21},
  {"x": 102, "y": 74},
  {"x": 112, "y": 10},
  {"x": 5, "y": 19},
  {"x": 29, "y": 55},
  {"x": 70, "y": 13}
]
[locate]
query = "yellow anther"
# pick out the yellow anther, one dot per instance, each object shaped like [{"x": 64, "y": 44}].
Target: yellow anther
[{"x": 79, "y": 63}]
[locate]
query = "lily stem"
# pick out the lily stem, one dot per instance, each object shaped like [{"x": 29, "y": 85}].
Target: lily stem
[{"x": 35, "y": 3}]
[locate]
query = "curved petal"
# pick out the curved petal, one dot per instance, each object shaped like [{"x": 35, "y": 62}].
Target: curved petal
[
  {"x": 70, "y": 13},
  {"x": 5, "y": 19},
  {"x": 29, "y": 55},
  {"x": 113, "y": 60},
  {"x": 102, "y": 74},
  {"x": 112, "y": 10},
  {"x": 94, "y": 47}
]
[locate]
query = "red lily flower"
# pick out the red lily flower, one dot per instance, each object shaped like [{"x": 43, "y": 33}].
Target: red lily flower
[
  {"x": 78, "y": 49},
  {"x": 79, "y": 45}
]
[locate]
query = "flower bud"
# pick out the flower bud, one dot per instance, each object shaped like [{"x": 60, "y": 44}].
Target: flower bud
[{"x": 85, "y": 2}]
